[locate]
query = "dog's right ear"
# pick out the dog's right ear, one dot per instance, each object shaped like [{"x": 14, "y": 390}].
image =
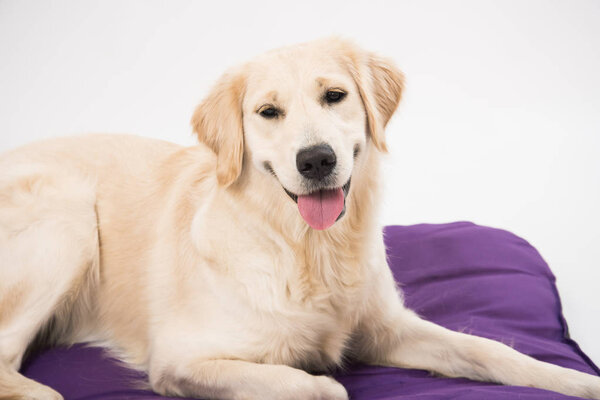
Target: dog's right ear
[{"x": 218, "y": 123}]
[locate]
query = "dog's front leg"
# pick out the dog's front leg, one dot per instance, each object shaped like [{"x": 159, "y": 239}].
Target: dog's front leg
[
  {"x": 391, "y": 335},
  {"x": 235, "y": 379}
]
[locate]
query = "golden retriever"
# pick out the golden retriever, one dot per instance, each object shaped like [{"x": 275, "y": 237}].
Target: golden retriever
[{"x": 228, "y": 269}]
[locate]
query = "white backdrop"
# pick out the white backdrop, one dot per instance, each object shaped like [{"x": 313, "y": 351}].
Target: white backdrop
[{"x": 500, "y": 124}]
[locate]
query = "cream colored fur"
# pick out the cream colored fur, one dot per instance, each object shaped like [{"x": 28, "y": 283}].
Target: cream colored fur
[{"x": 195, "y": 265}]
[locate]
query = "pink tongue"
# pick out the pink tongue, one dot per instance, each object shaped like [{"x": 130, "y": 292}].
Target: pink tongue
[{"x": 321, "y": 209}]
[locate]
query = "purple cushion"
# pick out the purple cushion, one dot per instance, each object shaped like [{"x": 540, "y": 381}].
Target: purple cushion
[{"x": 465, "y": 277}]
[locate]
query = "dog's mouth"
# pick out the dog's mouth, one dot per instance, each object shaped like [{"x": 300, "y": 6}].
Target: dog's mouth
[{"x": 322, "y": 208}]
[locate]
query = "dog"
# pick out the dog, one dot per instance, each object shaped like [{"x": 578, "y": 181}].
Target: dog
[{"x": 233, "y": 268}]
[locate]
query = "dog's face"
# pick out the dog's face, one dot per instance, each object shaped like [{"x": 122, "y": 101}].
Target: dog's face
[
  {"x": 303, "y": 123},
  {"x": 303, "y": 114}
]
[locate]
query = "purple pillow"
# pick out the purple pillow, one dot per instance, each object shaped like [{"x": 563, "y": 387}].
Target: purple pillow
[{"x": 484, "y": 281}]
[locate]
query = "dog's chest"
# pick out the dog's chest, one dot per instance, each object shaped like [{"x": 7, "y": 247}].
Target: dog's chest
[
  {"x": 278, "y": 301},
  {"x": 294, "y": 311}
]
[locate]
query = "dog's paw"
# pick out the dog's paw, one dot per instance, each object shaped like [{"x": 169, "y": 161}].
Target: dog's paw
[
  {"x": 330, "y": 389},
  {"x": 310, "y": 387},
  {"x": 303, "y": 386},
  {"x": 575, "y": 383},
  {"x": 592, "y": 389}
]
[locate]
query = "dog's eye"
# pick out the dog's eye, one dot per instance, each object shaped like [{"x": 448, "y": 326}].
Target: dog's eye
[
  {"x": 269, "y": 112},
  {"x": 334, "y": 96}
]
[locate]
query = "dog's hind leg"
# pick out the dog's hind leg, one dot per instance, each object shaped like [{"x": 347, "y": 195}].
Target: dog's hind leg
[{"x": 48, "y": 258}]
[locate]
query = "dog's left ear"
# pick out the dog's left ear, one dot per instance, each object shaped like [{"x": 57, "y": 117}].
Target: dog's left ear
[
  {"x": 218, "y": 123},
  {"x": 380, "y": 85}
]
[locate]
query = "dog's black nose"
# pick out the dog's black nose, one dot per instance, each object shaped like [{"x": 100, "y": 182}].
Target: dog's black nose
[{"x": 316, "y": 162}]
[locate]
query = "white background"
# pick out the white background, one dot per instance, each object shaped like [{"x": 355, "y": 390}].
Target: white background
[{"x": 500, "y": 123}]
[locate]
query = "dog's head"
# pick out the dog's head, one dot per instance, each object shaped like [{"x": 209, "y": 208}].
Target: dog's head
[{"x": 304, "y": 114}]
